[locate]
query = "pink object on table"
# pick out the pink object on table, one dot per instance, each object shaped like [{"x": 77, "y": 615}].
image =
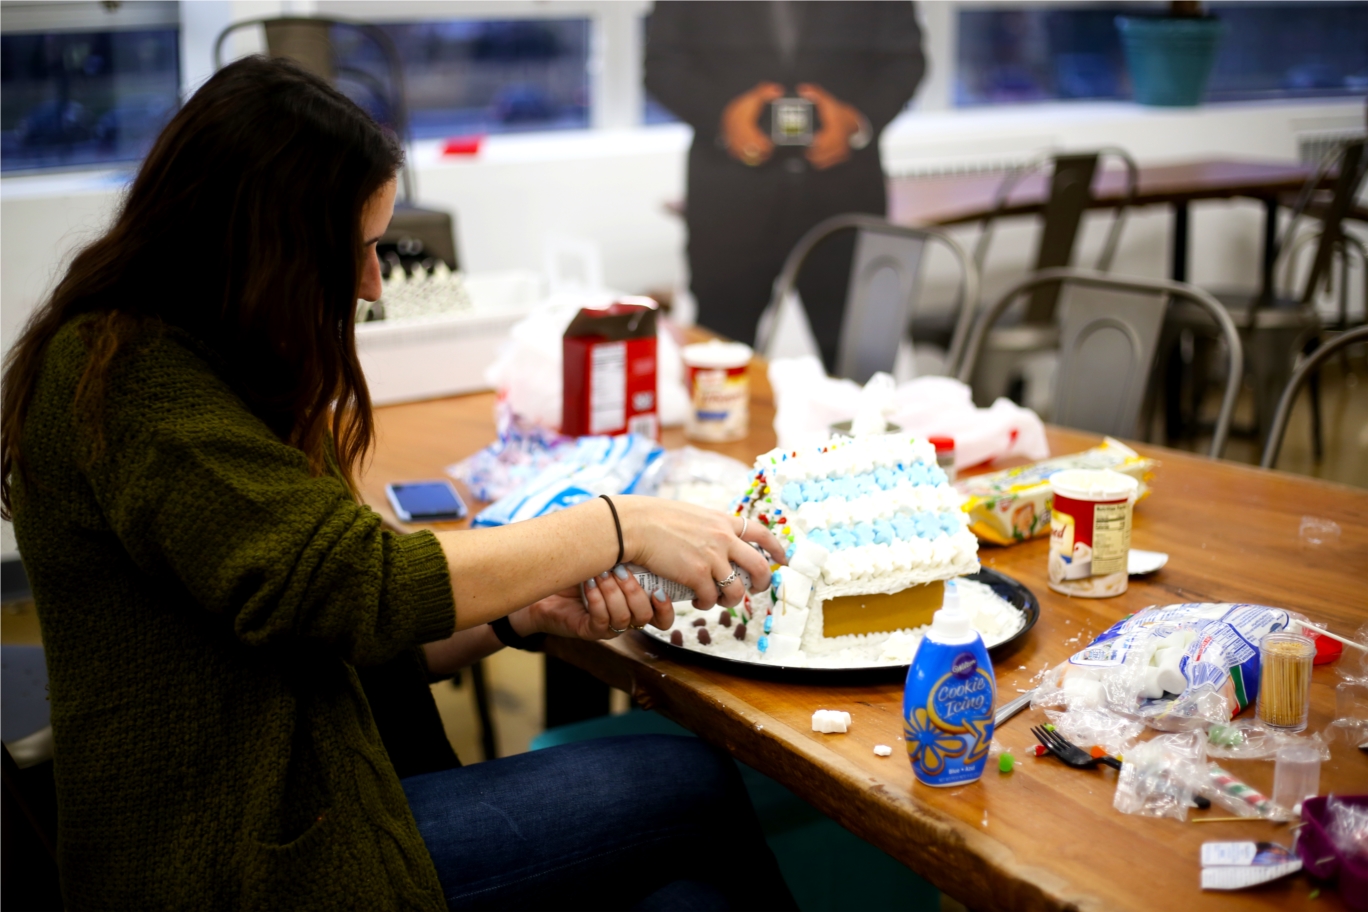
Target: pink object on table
[
  {"x": 464, "y": 145},
  {"x": 1322, "y": 859}
]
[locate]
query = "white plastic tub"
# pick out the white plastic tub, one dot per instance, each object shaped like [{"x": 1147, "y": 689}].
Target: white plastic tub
[{"x": 407, "y": 360}]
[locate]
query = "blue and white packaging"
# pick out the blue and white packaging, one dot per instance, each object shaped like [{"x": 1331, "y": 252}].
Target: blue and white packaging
[{"x": 627, "y": 464}]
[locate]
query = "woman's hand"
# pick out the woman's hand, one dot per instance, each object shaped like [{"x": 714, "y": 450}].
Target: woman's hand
[
  {"x": 696, "y": 546},
  {"x": 612, "y": 602}
]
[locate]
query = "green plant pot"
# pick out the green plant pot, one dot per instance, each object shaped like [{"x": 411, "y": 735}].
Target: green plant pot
[{"x": 1169, "y": 60}]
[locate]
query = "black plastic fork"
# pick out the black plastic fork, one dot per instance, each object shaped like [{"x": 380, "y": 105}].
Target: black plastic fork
[{"x": 1071, "y": 753}]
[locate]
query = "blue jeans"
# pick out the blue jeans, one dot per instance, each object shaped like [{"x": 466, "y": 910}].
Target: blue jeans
[{"x": 636, "y": 822}]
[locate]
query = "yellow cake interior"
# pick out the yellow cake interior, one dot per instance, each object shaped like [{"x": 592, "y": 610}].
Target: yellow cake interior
[{"x": 882, "y": 613}]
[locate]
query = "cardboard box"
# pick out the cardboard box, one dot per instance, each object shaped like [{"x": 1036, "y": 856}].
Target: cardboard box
[{"x": 609, "y": 370}]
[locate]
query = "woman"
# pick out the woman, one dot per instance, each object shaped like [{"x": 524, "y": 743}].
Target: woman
[{"x": 182, "y": 425}]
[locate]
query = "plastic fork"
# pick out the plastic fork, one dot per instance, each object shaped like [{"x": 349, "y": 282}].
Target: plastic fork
[{"x": 1070, "y": 753}]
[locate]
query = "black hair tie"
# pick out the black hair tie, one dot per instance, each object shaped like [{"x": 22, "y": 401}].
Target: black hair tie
[{"x": 622, "y": 551}]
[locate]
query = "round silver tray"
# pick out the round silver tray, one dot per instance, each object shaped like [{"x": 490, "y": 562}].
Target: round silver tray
[{"x": 1009, "y": 589}]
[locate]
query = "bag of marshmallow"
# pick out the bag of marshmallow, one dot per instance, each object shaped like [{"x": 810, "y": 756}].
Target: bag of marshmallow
[{"x": 1174, "y": 667}]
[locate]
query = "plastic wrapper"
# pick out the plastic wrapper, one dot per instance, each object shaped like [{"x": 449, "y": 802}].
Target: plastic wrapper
[
  {"x": 594, "y": 465},
  {"x": 1347, "y": 825},
  {"x": 1114, "y": 733},
  {"x": 1249, "y": 739},
  {"x": 1014, "y": 505},
  {"x": 702, "y": 477},
  {"x": 1159, "y": 777},
  {"x": 1175, "y": 668},
  {"x": 1228, "y": 791},
  {"x": 521, "y": 452},
  {"x": 807, "y": 402}
]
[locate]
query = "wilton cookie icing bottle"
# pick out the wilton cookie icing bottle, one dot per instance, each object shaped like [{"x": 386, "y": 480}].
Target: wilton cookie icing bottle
[{"x": 948, "y": 701}]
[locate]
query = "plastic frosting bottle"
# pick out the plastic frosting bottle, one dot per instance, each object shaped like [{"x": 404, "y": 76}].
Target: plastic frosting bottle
[{"x": 948, "y": 700}]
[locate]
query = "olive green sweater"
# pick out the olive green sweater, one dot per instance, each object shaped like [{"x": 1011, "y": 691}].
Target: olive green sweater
[{"x": 203, "y": 601}]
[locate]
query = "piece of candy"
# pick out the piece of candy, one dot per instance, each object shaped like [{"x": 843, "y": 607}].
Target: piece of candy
[
  {"x": 724, "y": 618},
  {"x": 830, "y": 721},
  {"x": 701, "y": 622},
  {"x": 1005, "y": 762},
  {"x": 740, "y": 631},
  {"x": 1040, "y": 750},
  {"x": 703, "y": 636},
  {"x": 1049, "y": 726},
  {"x": 677, "y": 638},
  {"x": 882, "y": 750},
  {"x": 1097, "y": 752}
]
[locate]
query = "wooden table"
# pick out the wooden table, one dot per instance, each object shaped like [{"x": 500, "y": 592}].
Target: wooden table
[
  {"x": 968, "y": 198},
  {"x": 1044, "y": 836}
]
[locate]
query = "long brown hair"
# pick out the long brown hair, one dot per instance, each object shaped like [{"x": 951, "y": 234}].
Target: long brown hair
[{"x": 243, "y": 229}]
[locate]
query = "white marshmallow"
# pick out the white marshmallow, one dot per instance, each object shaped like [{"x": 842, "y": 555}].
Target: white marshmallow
[
  {"x": 882, "y": 750},
  {"x": 830, "y": 721},
  {"x": 793, "y": 587},
  {"x": 789, "y": 624}
]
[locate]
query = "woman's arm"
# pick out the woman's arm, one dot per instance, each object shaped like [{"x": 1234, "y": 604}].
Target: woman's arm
[{"x": 496, "y": 571}]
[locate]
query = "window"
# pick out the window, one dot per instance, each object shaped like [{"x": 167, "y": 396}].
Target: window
[
  {"x": 82, "y": 84},
  {"x": 486, "y": 76},
  {"x": 1014, "y": 54}
]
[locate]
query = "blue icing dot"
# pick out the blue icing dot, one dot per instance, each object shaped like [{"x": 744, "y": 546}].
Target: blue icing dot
[
  {"x": 769, "y": 623},
  {"x": 864, "y": 534},
  {"x": 949, "y": 523},
  {"x": 927, "y": 525},
  {"x": 905, "y": 528},
  {"x": 763, "y": 643},
  {"x": 936, "y": 475},
  {"x": 883, "y": 532},
  {"x": 821, "y": 537},
  {"x": 792, "y": 494},
  {"x": 788, "y": 552},
  {"x": 842, "y": 537}
]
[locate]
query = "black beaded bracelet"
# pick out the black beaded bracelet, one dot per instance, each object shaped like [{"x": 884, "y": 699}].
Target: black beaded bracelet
[
  {"x": 503, "y": 629},
  {"x": 622, "y": 551}
]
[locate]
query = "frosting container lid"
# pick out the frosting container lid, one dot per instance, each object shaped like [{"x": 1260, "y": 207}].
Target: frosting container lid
[
  {"x": 717, "y": 354},
  {"x": 1094, "y": 484}
]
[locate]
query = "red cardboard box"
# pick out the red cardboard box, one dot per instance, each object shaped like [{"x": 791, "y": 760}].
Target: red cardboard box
[{"x": 609, "y": 372}]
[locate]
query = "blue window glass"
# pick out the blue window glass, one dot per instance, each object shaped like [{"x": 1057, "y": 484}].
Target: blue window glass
[
  {"x": 82, "y": 98},
  {"x": 485, "y": 76},
  {"x": 1018, "y": 54}
]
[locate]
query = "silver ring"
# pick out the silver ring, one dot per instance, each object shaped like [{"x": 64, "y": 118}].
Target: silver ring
[
  {"x": 724, "y": 583},
  {"x": 745, "y": 521},
  {"x": 615, "y": 630}
]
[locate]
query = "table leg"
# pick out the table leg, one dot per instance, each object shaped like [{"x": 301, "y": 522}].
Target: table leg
[
  {"x": 572, "y": 695},
  {"x": 1180, "y": 241},
  {"x": 1270, "y": 247}
]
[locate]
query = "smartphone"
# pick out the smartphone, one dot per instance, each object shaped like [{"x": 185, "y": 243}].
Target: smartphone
[
  {"x": 791, "y": 122},
  {"x": 426, "y": 501}
]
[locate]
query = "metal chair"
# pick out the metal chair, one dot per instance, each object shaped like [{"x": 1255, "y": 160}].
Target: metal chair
[
  {"x": 885, "y": 283},
  {"x": 1308, "y": 368},
  {"x": 1070, "y": 195},
  {"x": 415, "y": 233},
  {"x": 1107, "y": 348},
  {"x": 1277, "y": 326}
]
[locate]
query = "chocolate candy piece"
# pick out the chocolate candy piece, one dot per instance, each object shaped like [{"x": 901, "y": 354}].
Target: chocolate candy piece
[
  {"x": 703, "y": 636},
  {"x": 701, "y": 622},
  {"x": 724, "y": 618},
  {"x": 677, "y": 638},
  {"x": 740, "y": 631}
]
